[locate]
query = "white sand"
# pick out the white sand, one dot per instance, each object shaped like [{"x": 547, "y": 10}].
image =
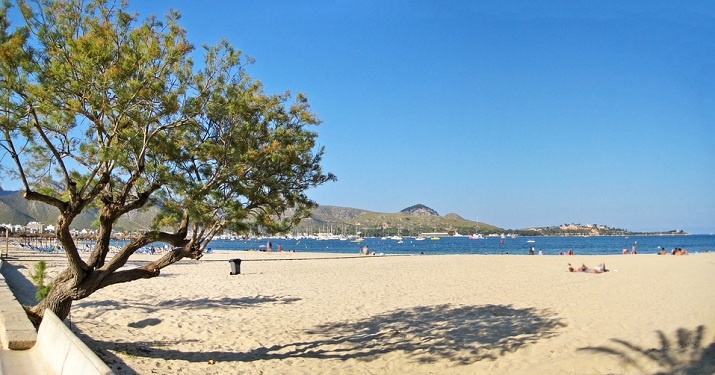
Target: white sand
[{"x": 446, "y": 314}]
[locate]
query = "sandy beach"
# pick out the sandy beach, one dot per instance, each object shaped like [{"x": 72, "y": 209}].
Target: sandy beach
[{"x": 309, "y": 313}]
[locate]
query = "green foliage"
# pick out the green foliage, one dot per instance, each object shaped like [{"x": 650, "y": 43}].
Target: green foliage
[
  {"x": 38, "y": 277},
  {"x": 113, "y": 109}
]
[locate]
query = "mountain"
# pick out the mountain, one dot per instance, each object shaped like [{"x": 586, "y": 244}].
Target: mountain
[
  {"x": 14, "y": 209},
  {"x": 420, "y": 210},
  {"x": 412, "y": 220}
]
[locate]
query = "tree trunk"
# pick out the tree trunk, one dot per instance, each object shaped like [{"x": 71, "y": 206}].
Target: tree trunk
[
  {"x": 59, "y": 300},
  {"x": 66, "y": 288}
]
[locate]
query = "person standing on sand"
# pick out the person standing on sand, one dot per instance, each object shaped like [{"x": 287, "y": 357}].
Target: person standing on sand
[{"x": 269, "y": 246}]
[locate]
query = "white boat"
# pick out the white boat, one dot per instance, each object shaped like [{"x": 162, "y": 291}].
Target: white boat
[{"x": 476, "y": 235}]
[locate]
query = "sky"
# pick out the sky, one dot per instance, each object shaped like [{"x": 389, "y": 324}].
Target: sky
[{"x": 515, "y": 113}]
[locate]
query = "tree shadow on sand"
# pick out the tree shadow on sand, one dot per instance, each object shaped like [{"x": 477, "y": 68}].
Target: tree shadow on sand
[
  {"x": 685, "y": 355},
  {"x": 195, "y": 304},
  {"x": 459, "y": 334}
]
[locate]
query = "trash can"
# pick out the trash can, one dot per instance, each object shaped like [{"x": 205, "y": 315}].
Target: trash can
[{"x": 235, "y": 266}]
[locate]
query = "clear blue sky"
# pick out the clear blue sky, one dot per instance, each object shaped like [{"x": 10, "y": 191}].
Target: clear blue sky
[{"x": 511, "y": 113}]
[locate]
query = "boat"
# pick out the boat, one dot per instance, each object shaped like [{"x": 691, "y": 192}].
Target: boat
[{"x": 476, "y": 235}]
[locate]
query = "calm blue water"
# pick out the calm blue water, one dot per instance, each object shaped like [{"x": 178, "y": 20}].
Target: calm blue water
[{"x": 463, "y": 245}]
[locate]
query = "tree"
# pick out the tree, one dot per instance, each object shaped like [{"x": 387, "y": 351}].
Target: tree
[{"x": 114, "y": 110}]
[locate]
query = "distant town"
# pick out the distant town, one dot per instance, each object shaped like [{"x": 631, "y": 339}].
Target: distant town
[
  {"x": 38, "y": 229},
  {"x": 591, "y": 230}
]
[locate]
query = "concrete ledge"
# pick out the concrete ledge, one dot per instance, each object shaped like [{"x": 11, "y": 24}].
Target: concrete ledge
[
  {"x": 16, "y": 330},
  {"x": 63, "y": 352},
  {"x": 54, "y": 349}
]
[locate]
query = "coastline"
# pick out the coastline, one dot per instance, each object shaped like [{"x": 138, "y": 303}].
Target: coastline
[
  {"x": 549, "y": 245},
  {"x": 458, "y": 314}
]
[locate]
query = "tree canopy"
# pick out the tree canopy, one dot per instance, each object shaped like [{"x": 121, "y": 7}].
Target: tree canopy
[{"x": 113, "y": 110}]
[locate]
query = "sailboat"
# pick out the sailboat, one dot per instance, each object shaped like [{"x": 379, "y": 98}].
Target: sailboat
[{"x": 476, "y": 235}]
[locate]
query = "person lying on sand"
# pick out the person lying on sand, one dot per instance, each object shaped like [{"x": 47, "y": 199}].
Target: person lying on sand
[{"x": 583, "y": 268}]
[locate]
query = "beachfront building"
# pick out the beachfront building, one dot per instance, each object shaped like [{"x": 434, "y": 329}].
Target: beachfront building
[{"x": 34, "y": 227}]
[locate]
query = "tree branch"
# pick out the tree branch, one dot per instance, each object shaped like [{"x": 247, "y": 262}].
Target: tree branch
[{"x": 117, "y": 277}]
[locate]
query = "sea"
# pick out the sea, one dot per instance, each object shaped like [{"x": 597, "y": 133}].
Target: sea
[{"x": 547, "y": 245}]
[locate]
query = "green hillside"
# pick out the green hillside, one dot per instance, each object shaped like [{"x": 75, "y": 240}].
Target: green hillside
[
  {"x": 14, "y": 209},
  {"x": 343, "y": 220}
]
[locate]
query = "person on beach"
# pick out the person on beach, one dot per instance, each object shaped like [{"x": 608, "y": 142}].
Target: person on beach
[
  {"x": 679, "y": 251},
  {"x": 583, "y": 268}
]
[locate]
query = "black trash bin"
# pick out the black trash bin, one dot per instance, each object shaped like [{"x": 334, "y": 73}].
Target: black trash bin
[{"x": 235, "y": 266}]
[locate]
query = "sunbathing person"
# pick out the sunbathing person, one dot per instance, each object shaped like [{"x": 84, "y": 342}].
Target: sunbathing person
[
  {"x": 583, "y": 268},
  {"x": 679, "y": 251}
]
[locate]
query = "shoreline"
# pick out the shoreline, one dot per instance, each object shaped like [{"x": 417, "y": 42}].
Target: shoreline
[{"x": 453, "y": 313}]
